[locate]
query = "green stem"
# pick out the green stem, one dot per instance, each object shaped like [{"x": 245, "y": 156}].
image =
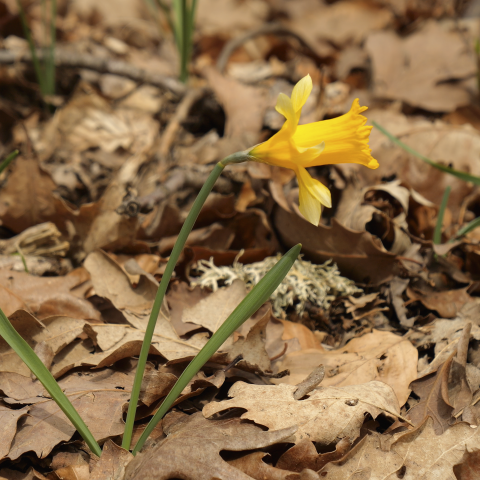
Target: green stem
[
  {"x": 172, "y": 261},
  {"x": 184, "y": 33},
  {"x": 31, "y": 45},
  {"x": 50, "y": 65},
  {"x": 437, "y": 233},
  {"x": 247, "y": 307}
]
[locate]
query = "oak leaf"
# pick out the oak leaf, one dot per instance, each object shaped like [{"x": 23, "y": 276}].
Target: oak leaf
[
  {"x": 191, "y": 449},
  {"x": 379, "y": 355},
  {"x": 325, "y": 416},
  {"x": 418, "y": 454}
]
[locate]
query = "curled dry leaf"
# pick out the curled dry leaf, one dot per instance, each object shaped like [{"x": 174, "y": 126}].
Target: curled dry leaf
[
  {"x": 54, "y": 333},
  {"x": 356, "y": 253},
  {"x": 417, "y": 454},
  {"x": 99, "y": 398},
  {"x": 252, "y": 347},
  {"x": 210, "y": 312},
  {"x": 71, "y": 466},
  {"x": 47, "y": 296},
  {"x": 304, "y": 455},
  {"x": 447, "y": 303},
  {"x": 317, "y": 416},
  {"x": 28, "y": 198},
  {"x": 454, "y": 145},
  {"x": 254, "y": 466},
  {"x": 8, "y": 426},
  {"x": 112, "y": 463},
  {"x": 434, "y": 402},
  {"x": 191, "y": 449},
  {"x": 378, "y": 355},
  {"x": 111, "y": 282}
]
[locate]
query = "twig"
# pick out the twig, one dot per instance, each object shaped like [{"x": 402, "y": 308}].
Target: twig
[
  {"x": 132, "y": 205},
  {"x": 462, "y": 349},
  {"x": 269, "y": 28},
  {"x": 180, "y": 115},
  {"x": 69, "y": 59}
]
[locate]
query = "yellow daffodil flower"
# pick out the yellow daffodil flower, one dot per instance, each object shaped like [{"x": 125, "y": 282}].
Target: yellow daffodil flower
[{"x": 339, "y": 140}]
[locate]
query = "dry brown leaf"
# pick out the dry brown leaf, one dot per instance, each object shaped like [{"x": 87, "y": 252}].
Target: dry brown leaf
[
  {"x": 230, "y": 17},
  {"x": 112, "y": 463},
  {"x": 55, "y": 333},
  {"x": 8, "y": 426},
  {"x": 316, "y": 416},
  {"x": 71, "y": 466},
  {"x": 453, "y": 145},
  {"x": 180, "y": 297},
  {"x": 121, "y": 341},
  {"x": 253, "y": 465},
  {"x": 210, "y": 312},
  {"x": 417, "y": 68},
  {"x": 304, "y": 455},
  {"x": 98, "y": 397},
  {"x": 244, "y": 107},
  {"x": 88, "y": 122},
  {"x": 413, "y": 455},
  {"x": 447, "y": 303},
  {"x": 356, "y": 253},
  {"x": 99, "y": 225},
  {"x": 469, "y": 468},
  {"x": 191, "y": 449},
  {"x": 30, "y": 474},
  {"x": 342, "y": 22},
  {"x": 47, "y": 296},
  {"x": 378, "y": 355},
  {"x": 111, "y": 282},
  {"x": 252, "y": 347},
  {"x": 28, "y": 198},
  {"x": 434, "y": 402},
  {"x": 10, "y": 302}
]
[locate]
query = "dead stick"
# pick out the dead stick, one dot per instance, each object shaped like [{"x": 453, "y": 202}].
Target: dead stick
[
  {"x": 462, "y": 348},
  {"x": 268, "y": 29},
  {"x": 64, "y": 58},
  {"x": 180, "y": 115}
]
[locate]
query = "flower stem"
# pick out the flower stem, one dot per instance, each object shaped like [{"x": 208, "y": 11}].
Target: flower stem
[
  {"x": 247, "y": 307},
  {"x": 172, "y": 261}
]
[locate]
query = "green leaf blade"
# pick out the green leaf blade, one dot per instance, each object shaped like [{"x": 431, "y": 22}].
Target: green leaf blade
[{"x": 247, "y": 307}]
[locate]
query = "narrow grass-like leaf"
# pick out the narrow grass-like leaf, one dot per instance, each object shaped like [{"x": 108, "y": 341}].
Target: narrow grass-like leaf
[
  {"x": 162, "y": 288},
  {"x": 25, "y": 352},
  {"x": 31, "y": 45},
  {"x": 475, "y": 223},
  {"x": 457, "y": 173},
  {"x": 247, "y": 307},
  {"x": 5, "y": 163},
  {"x": 437, "y": 234}
]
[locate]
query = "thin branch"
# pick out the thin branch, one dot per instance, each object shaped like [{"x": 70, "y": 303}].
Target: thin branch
[{"x": 69, "y": 59}]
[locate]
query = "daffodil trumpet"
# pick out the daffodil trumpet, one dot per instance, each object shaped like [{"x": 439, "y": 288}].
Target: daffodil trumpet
[{"x": 340, "y": 140}]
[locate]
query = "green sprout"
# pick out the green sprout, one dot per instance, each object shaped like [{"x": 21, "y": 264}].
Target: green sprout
[
  {"x": 181, "y": 19},
  {"x": 43, "y": 65}
]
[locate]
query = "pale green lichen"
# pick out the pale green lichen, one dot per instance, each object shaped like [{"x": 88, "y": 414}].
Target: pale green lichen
[{"x": 306, "y": 282}]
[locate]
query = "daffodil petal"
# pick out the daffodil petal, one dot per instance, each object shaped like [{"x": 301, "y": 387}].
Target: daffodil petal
[
  {"x": 312, "y": 194},
  {"x": 346, "y": 139},
  {"x": 284, "y": 107},
  {"x": 301, "y": 92}
]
